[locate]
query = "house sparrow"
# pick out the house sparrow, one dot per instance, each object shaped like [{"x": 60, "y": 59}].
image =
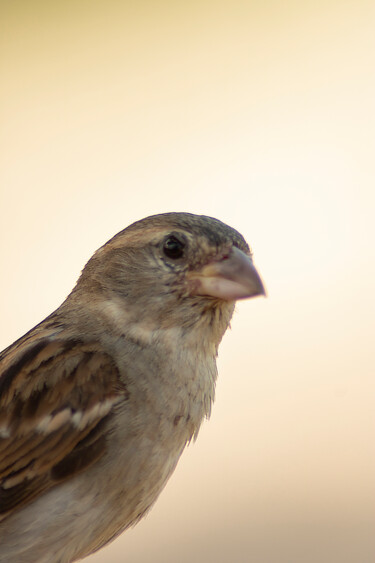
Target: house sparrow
[{"x": 99, "y": 400}]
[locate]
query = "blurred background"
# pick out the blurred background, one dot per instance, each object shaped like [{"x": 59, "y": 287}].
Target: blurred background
[{"x": 260, "y": 114}]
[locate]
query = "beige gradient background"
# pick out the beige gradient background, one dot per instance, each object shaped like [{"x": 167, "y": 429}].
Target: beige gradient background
[{"x": 260, "y": 114}]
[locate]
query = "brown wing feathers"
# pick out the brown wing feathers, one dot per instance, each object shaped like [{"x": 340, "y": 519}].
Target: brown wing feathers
[{"x": 55, "y": 399}]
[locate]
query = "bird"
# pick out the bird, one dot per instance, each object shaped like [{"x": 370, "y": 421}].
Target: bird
[{"x": 99, "y": 400}]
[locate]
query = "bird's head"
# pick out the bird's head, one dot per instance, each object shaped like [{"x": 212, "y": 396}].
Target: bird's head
[{"x": 177, "y": 269}]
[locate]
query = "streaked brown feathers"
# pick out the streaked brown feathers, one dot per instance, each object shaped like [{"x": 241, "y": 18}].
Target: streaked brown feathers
[{"x": 55, "y": 400}]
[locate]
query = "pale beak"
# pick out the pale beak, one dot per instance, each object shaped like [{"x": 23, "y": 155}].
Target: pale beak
[{"x": 231, "y": 277}]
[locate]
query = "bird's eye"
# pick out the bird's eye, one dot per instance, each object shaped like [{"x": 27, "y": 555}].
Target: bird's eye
[{"x": 173, "y": 248}]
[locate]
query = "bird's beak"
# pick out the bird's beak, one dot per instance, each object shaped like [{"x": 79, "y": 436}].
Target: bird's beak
[{"x": 230, "y": 277}]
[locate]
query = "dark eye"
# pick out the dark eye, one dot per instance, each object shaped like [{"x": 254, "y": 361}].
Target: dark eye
[{"x": 173, "y": 248}]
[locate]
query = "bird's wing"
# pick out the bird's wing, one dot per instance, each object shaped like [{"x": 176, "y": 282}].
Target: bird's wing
[{"x": 56, "y": 397}]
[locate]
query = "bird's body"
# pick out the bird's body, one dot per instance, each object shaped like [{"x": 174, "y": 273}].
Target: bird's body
[{"x": 98, "y": 402}]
